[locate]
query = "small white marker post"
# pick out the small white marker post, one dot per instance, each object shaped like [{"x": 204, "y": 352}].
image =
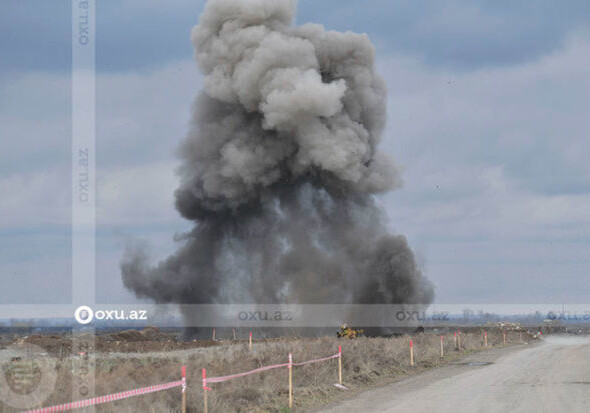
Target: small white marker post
[
  {"x": 442, "y": 348},
  {"x": 250, "y": 343},
  {"x": 290, "y": 381},
  {"x": 213, "y": 334},
  {"x": 504, "y": 337},
  {"x": 411, "y": 353}
]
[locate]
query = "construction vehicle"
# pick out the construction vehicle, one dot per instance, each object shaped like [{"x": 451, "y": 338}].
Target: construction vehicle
[{"x": 349, "y": 332}]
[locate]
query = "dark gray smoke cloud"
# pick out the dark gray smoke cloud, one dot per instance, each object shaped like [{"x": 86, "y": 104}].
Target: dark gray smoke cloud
[{"x": 279, "y": 170}]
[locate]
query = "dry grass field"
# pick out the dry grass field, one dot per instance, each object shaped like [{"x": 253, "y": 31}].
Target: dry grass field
[{"x": 366, "y": 362}]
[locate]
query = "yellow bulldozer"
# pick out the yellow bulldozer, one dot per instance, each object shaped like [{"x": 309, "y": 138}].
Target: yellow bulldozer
[{"x": 349, "y": 332}]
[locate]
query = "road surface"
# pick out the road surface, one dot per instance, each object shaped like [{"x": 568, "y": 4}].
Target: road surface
[{"x": 553, "y": 376}]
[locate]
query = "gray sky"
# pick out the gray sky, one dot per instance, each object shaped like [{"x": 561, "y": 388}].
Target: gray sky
[{"x": 488, "y": 104}]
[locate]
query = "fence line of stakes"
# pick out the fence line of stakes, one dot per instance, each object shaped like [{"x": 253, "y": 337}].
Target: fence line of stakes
[
  {"x": 457, "y": 342},
  {"x": 290, "y": 365}
]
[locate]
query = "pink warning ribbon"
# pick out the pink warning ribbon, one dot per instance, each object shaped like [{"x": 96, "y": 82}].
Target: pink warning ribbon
[
  {"x": 247, "y": 373},
  {"x": 335, "y": 356},
  {"x": 108, "y": 398},
  {"x": 221, "y": 379}
]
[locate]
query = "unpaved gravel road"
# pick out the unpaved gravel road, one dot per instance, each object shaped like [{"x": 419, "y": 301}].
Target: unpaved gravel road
[{"x": 553, "y": 376}]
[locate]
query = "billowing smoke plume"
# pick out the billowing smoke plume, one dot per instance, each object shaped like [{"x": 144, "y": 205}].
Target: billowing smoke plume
[{"x": 279, "y": 170}]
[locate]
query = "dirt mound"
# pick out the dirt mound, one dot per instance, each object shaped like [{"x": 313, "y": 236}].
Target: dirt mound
[
  {"x": 153, "y": 334},
  {"x": 52, "y": 344},
  {"x": 147, "y": 334},
  {"x": 126, "y": 341}
]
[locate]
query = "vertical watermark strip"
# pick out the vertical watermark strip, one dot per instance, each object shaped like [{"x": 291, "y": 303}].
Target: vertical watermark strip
[{"x": 84, "y": 189}]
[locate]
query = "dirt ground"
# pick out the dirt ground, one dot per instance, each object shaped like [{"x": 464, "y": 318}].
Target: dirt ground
[
  {"x": 549, "y": 376},
  {"x": 131, "y": 359},
  {"x": 149, "y": 339}
]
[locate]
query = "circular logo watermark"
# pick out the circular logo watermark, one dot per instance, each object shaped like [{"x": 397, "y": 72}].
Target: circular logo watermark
[
  {"x": 27, "y": 375},
  {"x": 84, "y": 314}
]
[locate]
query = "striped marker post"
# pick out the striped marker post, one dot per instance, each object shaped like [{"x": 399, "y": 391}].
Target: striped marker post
[
  {"x": 205, "y": 407},
  {"x": 183, "y": 389},
  {"x": 250, "y": 343},
  {"x": 485, "y": 338},
  {"x": 340, "y": 365}
]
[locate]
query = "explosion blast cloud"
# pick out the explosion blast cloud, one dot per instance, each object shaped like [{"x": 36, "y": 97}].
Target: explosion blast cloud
[{"x": 279, "y": 171}]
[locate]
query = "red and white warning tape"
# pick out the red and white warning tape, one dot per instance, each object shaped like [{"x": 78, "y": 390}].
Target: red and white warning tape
[
  {"x": 247, "y": 373},
  {"x": 110, "y": 397},
  {"x": 179, "y": 383},
  {"x": 220, "y": 379},
  {"x": 335, "y": 356}
]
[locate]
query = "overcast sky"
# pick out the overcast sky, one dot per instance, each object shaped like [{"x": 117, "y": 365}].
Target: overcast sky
[{"x": 488, "y": 116}]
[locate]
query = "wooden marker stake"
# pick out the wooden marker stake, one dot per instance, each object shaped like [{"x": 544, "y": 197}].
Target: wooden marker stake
[
  {"x": 340, "y": 365},
  {"x": 411, "y": 353},
  {"x": 213, "y": 335},
  {"x": 205, "y": 391},
  {"x": 183, "y": 370},
  {"x": 485, "y": 338},
  {"x": 504, "y": 336},
  {"x": 250, "y": 343},
  {"x": 459, "y": 339},
  {"x": 442, "y": 348},
  {"x": 290, "y": 381},
  {"x": 234, "y": 331}
]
